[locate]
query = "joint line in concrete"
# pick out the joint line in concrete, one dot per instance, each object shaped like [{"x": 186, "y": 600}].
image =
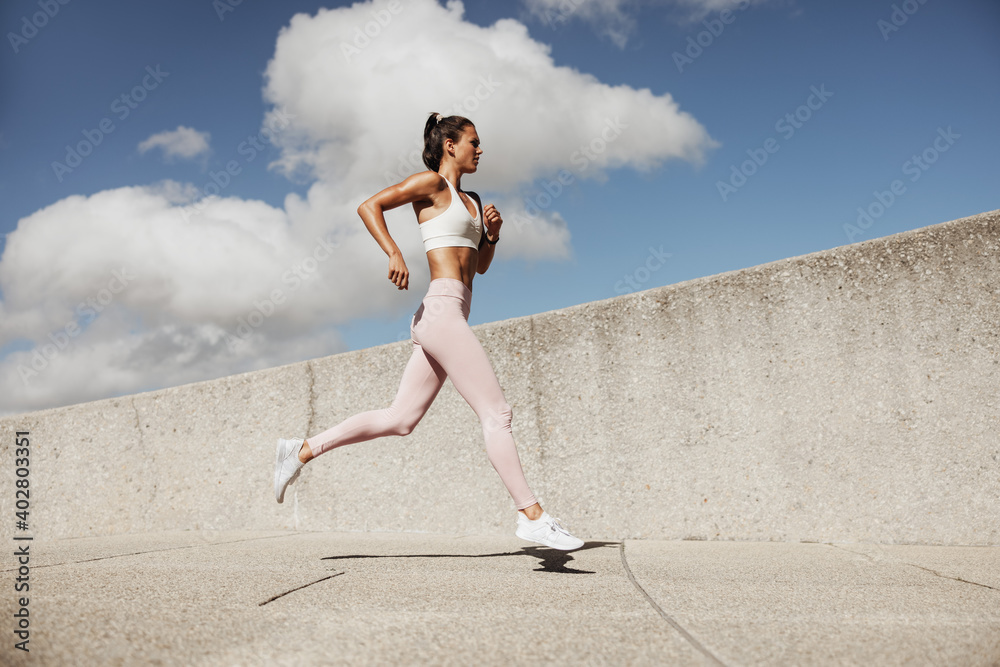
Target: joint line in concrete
[
  {"x": 138, "y": 426},
  {"x": 945, "y": 576},
  {"x": 919, "y": 567},
  {"x": 149, "y": 551},
  {"x": 674, "y": 624},
  {"x": 312, "y": 398},
  {"x": 297, "y": 588}
]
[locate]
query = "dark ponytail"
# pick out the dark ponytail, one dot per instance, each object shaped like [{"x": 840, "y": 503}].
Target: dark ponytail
[{"x": 436, "y": 131}]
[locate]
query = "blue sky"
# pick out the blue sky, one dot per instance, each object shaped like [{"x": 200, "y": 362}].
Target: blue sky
[{"x": 835, "y": 101}]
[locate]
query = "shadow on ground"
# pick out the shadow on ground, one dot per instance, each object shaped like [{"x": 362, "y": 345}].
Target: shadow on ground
[{"x": 551, "y": 560}]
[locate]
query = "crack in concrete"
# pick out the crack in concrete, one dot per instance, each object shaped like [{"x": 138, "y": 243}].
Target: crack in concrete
[
  {"x": 297, "y": 588},
  {"x": 151, "y": 503},
  {"x": 919, "y": 567},
  {"x": 312, "y": 398},
  {"x": 533, "y": 390},
  {"x": 674, "y": 624},
  {"x": 138, "y": 426},
  {"x": 945, "y": 576},
  {"x": 150, "y": 551},
  {"x": 309, "y": 427}
]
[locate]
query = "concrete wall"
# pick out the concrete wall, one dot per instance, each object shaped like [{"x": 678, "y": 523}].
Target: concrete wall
[{"x": 845, "y": 395}]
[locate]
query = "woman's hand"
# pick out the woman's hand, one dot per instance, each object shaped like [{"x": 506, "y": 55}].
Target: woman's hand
[
  {"x": 398, "y": 273},
  {"x": 493, "y": 222}
]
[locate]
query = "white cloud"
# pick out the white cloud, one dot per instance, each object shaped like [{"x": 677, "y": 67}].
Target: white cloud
[
  {"x": 360, "y": 92},
  {"x": 615, "y": 19},
  {"x": 184, "y": 142},
  {"x": 197, "y": 271},
  {"x": 141, "y": 298}
]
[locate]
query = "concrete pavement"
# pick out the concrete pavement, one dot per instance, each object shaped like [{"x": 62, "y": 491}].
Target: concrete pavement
[{"x": 332, "y": 598}]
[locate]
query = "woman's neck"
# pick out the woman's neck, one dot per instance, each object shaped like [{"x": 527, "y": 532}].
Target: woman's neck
[{"x": 453, "y": 175}]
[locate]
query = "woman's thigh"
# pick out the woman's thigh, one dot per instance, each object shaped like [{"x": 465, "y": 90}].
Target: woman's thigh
[
  {"x": 446, "y": 336},
  {"x": 422, "y": 379}
]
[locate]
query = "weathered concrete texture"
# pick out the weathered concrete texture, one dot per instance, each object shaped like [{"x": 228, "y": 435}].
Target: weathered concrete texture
[
  {"x": 846, "y": 395},
  {"x": 819, "y": 604},
  {"x": 270, "y": 597}
]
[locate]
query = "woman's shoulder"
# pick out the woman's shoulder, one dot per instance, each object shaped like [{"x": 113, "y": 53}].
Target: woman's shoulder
[
  {"x": 426, "y": 178},
  {"x": 423, "y": 184}
]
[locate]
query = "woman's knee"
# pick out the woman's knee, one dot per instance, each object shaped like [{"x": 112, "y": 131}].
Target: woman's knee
[
  {"x": 498, "y": 417},
  {"x": 401, "y": 423},
  {"x": 403, "y": 428}
]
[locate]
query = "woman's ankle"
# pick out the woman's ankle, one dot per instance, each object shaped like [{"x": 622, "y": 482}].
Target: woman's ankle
[
  {"x": 532, "y": 512},
  {"x": 305, "y": 453}
]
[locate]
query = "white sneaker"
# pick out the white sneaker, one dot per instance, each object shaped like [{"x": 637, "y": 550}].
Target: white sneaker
[
  {"x": 286, "y": 465},
  {"x": 548, "y": 531}
]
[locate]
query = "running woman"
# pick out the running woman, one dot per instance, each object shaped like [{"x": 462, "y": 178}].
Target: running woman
[{"x": 459, "y": 237}]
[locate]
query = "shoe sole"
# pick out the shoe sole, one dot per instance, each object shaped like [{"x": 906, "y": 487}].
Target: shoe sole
[
  {"x": 545, "y": 544},
  {"x": 277, "y": 470}
]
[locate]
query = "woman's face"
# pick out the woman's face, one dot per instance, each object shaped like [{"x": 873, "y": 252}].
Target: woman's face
[{"x": 467, "y": 150}]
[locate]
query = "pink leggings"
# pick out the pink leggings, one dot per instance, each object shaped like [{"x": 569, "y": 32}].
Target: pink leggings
[{"x": 443, "y": 346}]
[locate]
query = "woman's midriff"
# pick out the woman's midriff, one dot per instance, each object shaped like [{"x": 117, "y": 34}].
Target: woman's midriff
[{"x": 458, "y": 262}]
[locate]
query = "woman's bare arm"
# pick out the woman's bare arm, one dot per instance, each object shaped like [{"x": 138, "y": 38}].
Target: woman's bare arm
[{"x": 415, "y": 188}]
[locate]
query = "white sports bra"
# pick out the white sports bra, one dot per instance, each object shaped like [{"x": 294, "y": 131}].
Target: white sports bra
[{"x": 454, "y": 227}]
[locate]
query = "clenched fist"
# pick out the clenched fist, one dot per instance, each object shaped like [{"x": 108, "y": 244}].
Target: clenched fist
[
  {"x": 493, "y": 222},
  {"x": 398, "y": 273}
]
